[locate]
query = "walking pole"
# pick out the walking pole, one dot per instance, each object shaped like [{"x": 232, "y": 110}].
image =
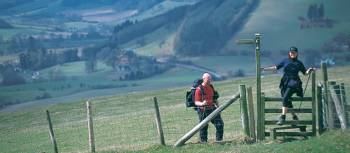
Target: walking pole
[{"x": 307, "y": 82}]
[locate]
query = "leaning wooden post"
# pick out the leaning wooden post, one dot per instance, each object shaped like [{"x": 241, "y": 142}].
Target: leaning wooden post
[
  {"x": 343, "y": 99},
  {"x": 199, "y": 126},
  {"x": 328, "y": 116},
  {"x": 158, "y": 122},
  {"x": 251, "y": 113},
  {"x": 90, "y": 127},
  {"x": 338, "y": 108},
  {"x": 330, "y": 106},
  {"x": 52, "y": 135},
  {"x": 244, "y": 113},
  {"x": 313, "y": 92},
  {"x": 320, "y": 110}
]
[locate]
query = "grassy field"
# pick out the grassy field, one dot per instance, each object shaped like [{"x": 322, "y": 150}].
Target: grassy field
[
  {"x": 76, "y": 80},
  {"x": 283, "y": 17},
  {"x": 320, "y": 144},
  {"x": 124, "y": 123},
  {"x": 9, "y": 33}
]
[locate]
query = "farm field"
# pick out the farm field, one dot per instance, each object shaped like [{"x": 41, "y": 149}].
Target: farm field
[
  {"x": 286, "y": 31},
  {"x": 125, "y": 123}
]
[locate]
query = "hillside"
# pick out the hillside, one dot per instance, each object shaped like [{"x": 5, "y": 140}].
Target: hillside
[
  {"x": 222, "y": 19},
  {"x": 5, "y": 25},
  {"x": 125, "y": 123},
  {"x": 208, "y": 27},
  {"x": 279, "y": 25}
]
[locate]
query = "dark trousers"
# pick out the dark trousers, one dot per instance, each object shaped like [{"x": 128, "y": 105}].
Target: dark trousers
[
  {"x": 217, "y": 121},
  {"x": 286, "y": 97}
]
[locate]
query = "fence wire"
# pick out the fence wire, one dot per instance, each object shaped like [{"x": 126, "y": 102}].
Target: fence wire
[
  {"x": 331, "y": 113},
  {"x": 122, "y": 123}
]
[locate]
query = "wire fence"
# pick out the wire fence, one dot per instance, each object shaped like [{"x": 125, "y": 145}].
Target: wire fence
[
  {"x": 123, "y": 123},
  {"x": 336, "y": 106}
]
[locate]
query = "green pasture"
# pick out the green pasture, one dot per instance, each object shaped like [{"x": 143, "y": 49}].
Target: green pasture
[
  {"x": 74, "y": 79},
  {"x": 9, "y": 33},
  {"x": 278, "y": 23},
  {"x": 125, "y": 122}
]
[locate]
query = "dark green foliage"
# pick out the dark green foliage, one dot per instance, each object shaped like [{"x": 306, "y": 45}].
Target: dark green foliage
[
  {"x": 210, "y": 25},
  {"x": 90, "y": 65},
  {"x": 43, "y": 96},
  {"x": 39, "y": 59},
  {"x": 129, "y": 31},
  {"x": 12, "y": 77},
  {"x": 5, "y": 25},
  {"x": 203, "y": 28},
  {"x": 90, "y": 57},
  {"x": 315, "y": 12}
]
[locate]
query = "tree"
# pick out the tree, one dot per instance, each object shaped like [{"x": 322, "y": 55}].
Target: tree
[
  {"x": 90, "y": 65},
  {"x": 309, "y": 12},
  {"x": 11, "y": 77},
  {"x": 321, "y": 12},
  {"x": 89, "y": 55}
]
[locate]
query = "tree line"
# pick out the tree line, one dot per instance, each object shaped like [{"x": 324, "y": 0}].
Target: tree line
[{"x": 316, "y": 12}]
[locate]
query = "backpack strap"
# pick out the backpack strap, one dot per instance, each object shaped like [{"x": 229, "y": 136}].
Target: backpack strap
[
  {"x": 202, "y": 92},
  {"x": 212, "y": 87}
]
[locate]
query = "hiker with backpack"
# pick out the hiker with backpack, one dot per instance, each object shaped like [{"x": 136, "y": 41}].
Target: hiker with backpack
[
  {"x": 205, "y": 99},
  {"x": 290, "y": 82}
]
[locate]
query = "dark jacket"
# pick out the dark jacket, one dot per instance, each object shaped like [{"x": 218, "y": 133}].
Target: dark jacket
[{"x": 291, "y": 79}]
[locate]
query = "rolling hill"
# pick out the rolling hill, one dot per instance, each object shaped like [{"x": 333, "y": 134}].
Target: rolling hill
[
  {"x": 183, "y": 27},
  {"x": 208, "y": 27},
  {"x": 5, "y": 25},
  {"x": 125, "y": 123},
  {"x": 278, "y": 23}
]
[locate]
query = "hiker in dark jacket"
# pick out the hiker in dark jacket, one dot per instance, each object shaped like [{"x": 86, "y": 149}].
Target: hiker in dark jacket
[
  {"x": 204, "y": 99},
  {"x": 290, "y": 82}
]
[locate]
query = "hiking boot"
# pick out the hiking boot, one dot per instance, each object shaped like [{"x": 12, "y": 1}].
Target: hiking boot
[
  {"x": 203, "y": 142},
  {"x": 295, "y": 119},
  {"x": 281, "y": 120}
]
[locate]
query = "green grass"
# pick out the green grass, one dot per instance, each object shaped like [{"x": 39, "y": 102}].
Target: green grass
[
  {"x": 283, "y": 17},
  {"x": 314, "y": 145},
  {"x": 9, "y": 33},
  {"x": 126, "y": 123},
  {"x": 77, "y": 80}
]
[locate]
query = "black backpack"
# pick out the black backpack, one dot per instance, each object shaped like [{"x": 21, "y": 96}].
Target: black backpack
[{"x": 190, "y": 95}]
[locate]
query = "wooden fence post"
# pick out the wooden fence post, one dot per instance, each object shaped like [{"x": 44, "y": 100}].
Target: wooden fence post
[
  {"x": 313, "y": 92},
  {"x": 158, "y": 122},
  {"x": 90, "y": 127},
  {"x": 244, "y": 109},
  {"x": 251, "y": 113},
  {"x": 52, "y": 135},
  {"x": 258, "y": 85},
  {"x": 320, "y": 110},
  {"x": 328, "y": 121},
  {"x": 262, "y": 114}
]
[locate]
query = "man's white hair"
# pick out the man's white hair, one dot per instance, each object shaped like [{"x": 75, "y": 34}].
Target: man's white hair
[{"x": 206, "y": 75}]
